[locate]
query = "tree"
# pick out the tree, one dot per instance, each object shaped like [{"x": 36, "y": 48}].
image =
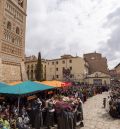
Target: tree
[{"x": 39, "y": 72}]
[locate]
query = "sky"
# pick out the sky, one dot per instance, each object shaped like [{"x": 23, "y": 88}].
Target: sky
[{"x": 57, "y": 27}]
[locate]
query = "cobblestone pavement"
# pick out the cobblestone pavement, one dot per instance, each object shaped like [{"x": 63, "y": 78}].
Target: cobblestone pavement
[{"x": 96, "y": 117}]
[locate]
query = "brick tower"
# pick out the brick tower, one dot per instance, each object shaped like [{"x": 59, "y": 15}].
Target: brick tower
[{"x": 12, "y": 40}]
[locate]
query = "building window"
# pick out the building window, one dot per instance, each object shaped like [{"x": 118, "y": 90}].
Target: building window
[
  {"x": 57, "y": 76},
  {"x": 20, "y": 2},
  {"x": 13, "y": 40},
  {"x": 17, "y": 30},
  {"x": 31, "y": 66},
  {"x": 72, "y": 76},
  {"x": 52, "y": 63},
  {"x": 70, "y": 68},
  {"x": 63, "y": 62},
  {"x": 63, "y": 68},
  {"x": 9, "y": 25},
  {"x": 31, "y": 74},
  {"x": 97, "y": 81},
  {"x": 28, "y": 67},
  {"x": 56, "y": 62},
  {"x": 28, "y": 74},
  {"x": 70, "y": 61},
  {"x": 56, "y": 69}
]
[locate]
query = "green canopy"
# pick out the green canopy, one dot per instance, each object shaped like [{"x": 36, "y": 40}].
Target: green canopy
[
  {"x": 24, "y": 88},
  {"x": 3, "y": 85}
]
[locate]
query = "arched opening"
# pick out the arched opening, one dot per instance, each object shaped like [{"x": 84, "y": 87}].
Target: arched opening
[
  {"x": 28, "y": 67},
  {"x": 105, "y": 82},
  {"x": 20, "y": 2},
  {"x": 28, "y": 74},
  {"x": 17, "y": 30},
  {"x": 31, "y": 74},
  {"x": 13, "y": 40},
  {"x": 9, "y": 25},
  {"x": 32, "y": 67}
]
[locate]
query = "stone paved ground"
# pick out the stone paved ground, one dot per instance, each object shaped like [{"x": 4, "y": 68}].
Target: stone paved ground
[{"x": 95, "y": 116}]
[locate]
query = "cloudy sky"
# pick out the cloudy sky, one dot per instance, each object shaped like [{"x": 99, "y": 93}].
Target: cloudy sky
[{"x": 57, "y": 27}]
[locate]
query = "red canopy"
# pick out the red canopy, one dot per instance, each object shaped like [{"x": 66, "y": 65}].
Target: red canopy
[{"x": 66, "y": 84}]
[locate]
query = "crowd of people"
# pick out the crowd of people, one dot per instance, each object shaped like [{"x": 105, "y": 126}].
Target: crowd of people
[
  {"x": 63, "y": 108},
  {"x": 113, "y": 102}
]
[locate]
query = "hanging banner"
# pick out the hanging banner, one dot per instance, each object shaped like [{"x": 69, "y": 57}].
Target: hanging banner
[
  {"x": 31, "y": 97},
  {"x": 50, "y": 92}
]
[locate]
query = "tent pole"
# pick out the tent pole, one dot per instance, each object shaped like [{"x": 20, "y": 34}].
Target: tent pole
[{"x": 18, "y": 104}]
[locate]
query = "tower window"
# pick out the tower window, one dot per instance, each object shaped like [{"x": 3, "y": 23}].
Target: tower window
[
  {"x": 28, "y": 73},
  {"x": 20, "y": 2},
  {"x": 56, "y": 69},
  {"x": 13, "y": 40},
  {"x": 9, "y": 25},
  {"x": 31, "y": 66},
  {"x": 28, "y": 67},
  {"x": 57, "y": 76},
  {"x": 17, "y": 30}
]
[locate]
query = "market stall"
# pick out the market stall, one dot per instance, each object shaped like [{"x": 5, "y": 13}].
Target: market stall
[
  {"x": 12, "y": 111},
  {"x": 24, "y": 88},
  {"x": 53, "y": 83}
]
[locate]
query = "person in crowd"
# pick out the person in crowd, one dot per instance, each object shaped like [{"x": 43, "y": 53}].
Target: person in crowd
[
  {"x": 114, "y": 103},
  {"x": 104, "y": 102}
]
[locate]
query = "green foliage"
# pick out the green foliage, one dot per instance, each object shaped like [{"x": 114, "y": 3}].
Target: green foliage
[{"x": 39, "y": 69}]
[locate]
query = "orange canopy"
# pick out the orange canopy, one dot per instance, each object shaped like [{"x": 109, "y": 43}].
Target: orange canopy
[
  {"x": 53, "y": 83},
  {"x": 15, "y": 83}
]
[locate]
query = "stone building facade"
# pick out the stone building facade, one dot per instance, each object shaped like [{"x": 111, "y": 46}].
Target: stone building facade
[
  {"x": 30, "y": 63},
  {"x": 117, "y": 69},
  {"x": 96, "y": 62},
  {"x": 66, "y": 68},
  {"x": 115, "y": 73},
  {"x": 12, "y": 40},
  {"x": 98, "y": 78}
]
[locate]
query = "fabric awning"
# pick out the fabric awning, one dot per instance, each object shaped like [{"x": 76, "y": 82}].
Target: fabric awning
[
  {"x": 3, "y": 84},
  {"x": 67, "y": 84},
  {"x": 15, "y": 83},
  {"x": 24, "y": 88},
  {"x": 53, "y": 83}
]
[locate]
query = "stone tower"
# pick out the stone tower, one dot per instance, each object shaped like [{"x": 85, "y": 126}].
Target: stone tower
[
  {"x": 12, "y": 40},
  {"x": 96, "y": 62}
]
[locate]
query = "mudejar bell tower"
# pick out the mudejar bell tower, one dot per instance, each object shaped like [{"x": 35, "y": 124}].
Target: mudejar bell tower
[{"x": 12, "y": 40}]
